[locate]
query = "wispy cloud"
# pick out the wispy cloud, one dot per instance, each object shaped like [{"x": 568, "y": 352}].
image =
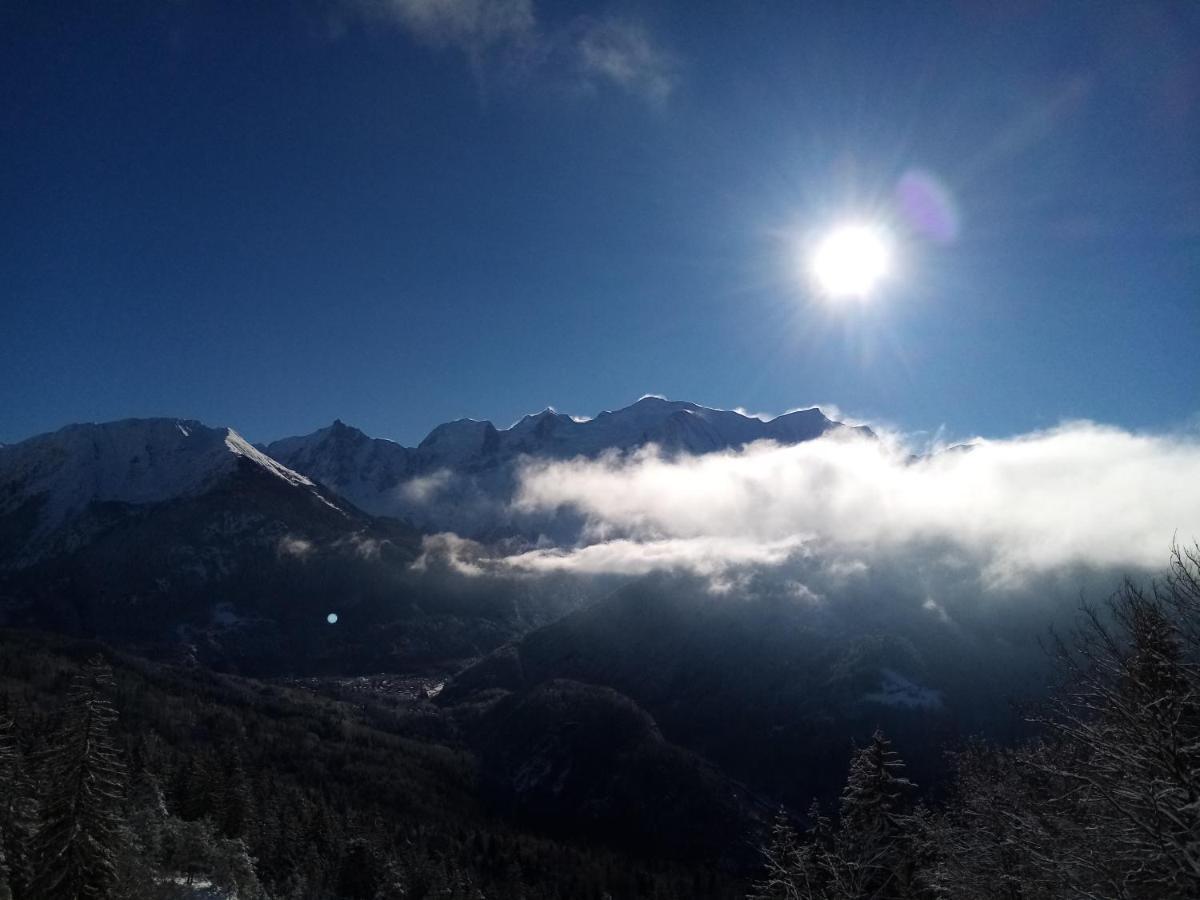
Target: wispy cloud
[
  {"x": 296, "y": 547},
  {"x": 472, "y": 26},
  {"x": 706, "y": 556},
  {"x": 623, "y": 53},
  {"x": 449, "y": 552},
  {"x": 614, "y": 51},
  {"x": 423, "y": 488}
]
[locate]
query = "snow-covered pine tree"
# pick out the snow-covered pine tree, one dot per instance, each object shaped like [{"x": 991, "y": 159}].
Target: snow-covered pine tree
[
  {"x": 874, "y": 841},
  {"x": 820, "y": 830},
  {"x": 8, "y": 767},
  {"x": 77, "y": 843},
  {"x": 1128, "y": 717},
  {"x": 818, "y": 862},
  {"x": 18, "y": 812},
  {"x": 798, "y": 869},
  {"x": 142, "y": 844},
  {"x": 782, "y": 861}
]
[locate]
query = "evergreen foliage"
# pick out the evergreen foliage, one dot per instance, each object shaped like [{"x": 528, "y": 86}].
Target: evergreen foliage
[
  {"x": 875, "y": 850},
  {"x": 79, "y": 834},
  {"x": 8, "y": 766},
  {"x": 241, "y": 789},
  {"x": 18, "y": 815}
]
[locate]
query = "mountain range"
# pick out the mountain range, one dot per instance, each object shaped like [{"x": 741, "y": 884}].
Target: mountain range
[
  {"x": 461, "y": 476},
  {"x": 169, "y": 530},
  {"x": 56, "y": 489},
  {"x": 591, "y": 704}
]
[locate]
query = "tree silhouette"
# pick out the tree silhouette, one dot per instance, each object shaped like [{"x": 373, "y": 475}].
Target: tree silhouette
[{"x": 76, "y": 847}]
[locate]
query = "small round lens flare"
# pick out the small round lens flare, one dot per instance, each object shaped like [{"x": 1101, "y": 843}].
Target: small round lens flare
[{"x": 851, "y": 260}]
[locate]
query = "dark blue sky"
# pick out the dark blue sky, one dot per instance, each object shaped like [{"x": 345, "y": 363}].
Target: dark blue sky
[{"x": 270, "y": 214}]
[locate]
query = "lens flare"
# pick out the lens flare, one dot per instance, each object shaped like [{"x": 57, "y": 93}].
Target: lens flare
[
  {"x": 852, "y": 260},
  {"x": 927, "y": 206}
]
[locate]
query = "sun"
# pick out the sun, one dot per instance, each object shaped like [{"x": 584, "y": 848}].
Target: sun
[{"x": 851, "y": 260}]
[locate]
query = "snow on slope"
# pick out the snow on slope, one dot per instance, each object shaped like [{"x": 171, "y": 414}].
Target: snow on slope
[
  {"x": 130, "y": 461},
  {"x": 899, "y": 691}
]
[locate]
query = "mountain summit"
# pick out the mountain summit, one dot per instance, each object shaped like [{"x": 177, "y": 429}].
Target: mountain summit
[{"x": 50, "y": 481}]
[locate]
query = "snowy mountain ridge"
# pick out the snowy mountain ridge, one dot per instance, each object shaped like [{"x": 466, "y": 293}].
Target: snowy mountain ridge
[
  {"x": 463, "y": 472},
  {"x": 127, "y": 461},
  {"x": 49, "y": 480},
  {"x": 461, "y": 477}
]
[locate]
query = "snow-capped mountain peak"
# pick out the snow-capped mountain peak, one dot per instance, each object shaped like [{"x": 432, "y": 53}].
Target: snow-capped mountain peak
[{"x": 134, "y": 461}]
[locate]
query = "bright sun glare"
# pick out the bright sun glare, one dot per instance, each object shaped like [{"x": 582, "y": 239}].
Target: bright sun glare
[{"x": 851, "y": 260}]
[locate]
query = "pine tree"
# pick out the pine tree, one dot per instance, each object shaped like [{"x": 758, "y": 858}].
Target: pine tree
[
  {"x": 360, "y": 872},
  {"x": 782, "y": 859},
  {"x": 8, "y": 767},
  {"x": 145, "y": 831},
  {"x": 77, "y": 844},
  {"x": 199, "y": 788},
  {"x": 874, "y": 843},
  {"x": 236, "y": 802},
  {"x": 800, "y": 869},
  {"x": 1127, "y": 721},
  {"x": 18, "y": 814},
  {"x": 188, "y": 849}
]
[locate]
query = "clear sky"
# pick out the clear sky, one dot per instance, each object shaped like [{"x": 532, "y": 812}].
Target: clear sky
[{"x": 269, "y": 215}]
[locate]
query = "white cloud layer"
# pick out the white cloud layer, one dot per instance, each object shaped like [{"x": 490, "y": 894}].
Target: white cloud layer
[
  {"x": 1080, "y": 494},
  {"x": 708, "y": 556}
]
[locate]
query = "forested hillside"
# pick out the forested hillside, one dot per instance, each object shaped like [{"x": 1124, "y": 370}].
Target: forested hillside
[
  {"x": 125, "y": 779},
  {"x": 122, "y": 778}
]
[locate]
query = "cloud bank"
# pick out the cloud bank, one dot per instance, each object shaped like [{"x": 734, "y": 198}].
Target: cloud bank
[{"x": 1080, "y": 494}]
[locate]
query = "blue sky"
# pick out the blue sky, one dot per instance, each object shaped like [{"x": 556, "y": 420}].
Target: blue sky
[{"x": 398, "y": 213}]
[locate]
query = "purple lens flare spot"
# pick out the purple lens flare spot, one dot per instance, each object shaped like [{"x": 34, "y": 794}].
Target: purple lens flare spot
[{"x": 927, "y": 206}]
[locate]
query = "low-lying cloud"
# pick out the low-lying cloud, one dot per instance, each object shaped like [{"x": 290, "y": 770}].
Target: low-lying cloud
[
  {"x": 295, "y": 547},
  {"x": 424, "y": 488},
  {"x": 1079, "y": 494},
  {"x": 702, "y": 555}
]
